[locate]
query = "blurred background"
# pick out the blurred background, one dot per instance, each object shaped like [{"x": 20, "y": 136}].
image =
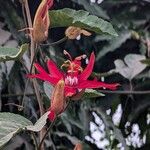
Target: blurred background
[{"x": 120, "y": 118}]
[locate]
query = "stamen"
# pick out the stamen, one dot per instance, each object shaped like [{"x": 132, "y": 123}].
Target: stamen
[
  {"x": 66, "y": 64},
  {"x": 81, "y": 57},
  {"x": 66, "y": 53}
]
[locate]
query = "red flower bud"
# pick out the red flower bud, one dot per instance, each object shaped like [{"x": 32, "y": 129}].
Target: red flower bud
[
  {"x": 78, "y": 147},
  {"x": 58, "y": 101},
  {"x": 41, "y": 21}
]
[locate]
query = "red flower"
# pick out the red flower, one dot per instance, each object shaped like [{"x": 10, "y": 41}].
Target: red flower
[{"x": 75, "y": 78}]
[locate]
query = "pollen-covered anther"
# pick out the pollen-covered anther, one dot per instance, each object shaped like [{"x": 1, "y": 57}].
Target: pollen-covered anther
[
  {"x": 71, "y": 80},
  {"x": 66, "y": 64}
]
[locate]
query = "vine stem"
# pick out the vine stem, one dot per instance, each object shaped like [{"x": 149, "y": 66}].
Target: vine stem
[
  {"x": 33, "y": 46},
  {"x": 51, "y": 125},
  {"x": 34, "y": 139},
  {"x": 55, "y": 43},
  {"x": 46, "y": 133}
]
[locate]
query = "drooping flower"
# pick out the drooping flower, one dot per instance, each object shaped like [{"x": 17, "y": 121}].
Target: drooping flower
[
  {"x": 41, "y": 21},
  {"x": 73, "y": 32},
  {"x": 75, "y": 78}
]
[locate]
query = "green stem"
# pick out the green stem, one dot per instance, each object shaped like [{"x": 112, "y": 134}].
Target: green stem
[
  {"x": 55, "y": 43},
  {"x": 33, "y": 46},
  {"x": 35, "y": 140},
  {"x": 105, "y": 74},
  {"x": 51, "y": 125},
  {"x": 46, "y": 133}
]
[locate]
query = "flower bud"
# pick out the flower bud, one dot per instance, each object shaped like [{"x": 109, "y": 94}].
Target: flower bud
[
  {"x": 41, "y": 21},
  {"x": 78, "y": 147},
  {"x": 73, "y": 32},
  {"x": 58, "y": 101}
]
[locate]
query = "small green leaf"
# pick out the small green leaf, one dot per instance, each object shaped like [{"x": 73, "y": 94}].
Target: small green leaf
[
  {"x": 90, "y": 93},
  {"x": 10, "y": 125},
  {"x": 39, "y": 124},
  {"x": 7, "y": 54},
  {"x": 69, "y": 17}
]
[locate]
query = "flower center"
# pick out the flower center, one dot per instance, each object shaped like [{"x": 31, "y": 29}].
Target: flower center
[{"x": 71, "y": 80}]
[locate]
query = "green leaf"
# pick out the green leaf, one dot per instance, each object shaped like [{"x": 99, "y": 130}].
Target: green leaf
[
  {"x": 69, "y": 17},
  {"x": 39, "y": 124},
  {"x": 90, "y": 93},
  {"x": 10, "y": 125},
  {"x": 131, "y": 66},
  {"x": 93, "y": 8},
  {"x": 114, "y": 43},
  {"x": 7, "y": 54}
]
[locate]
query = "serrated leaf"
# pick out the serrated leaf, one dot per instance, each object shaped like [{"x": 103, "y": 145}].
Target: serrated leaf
[
  {"x": 131, "y": 66},
  {"x": 90, "y": 93},
  {"x": 7, "y": 54},
  {"x": 48, "y": 89},
  {"x": 39, "y": 124},
  {"x": 69, "y": 17},
  {"x": 114, "y": 43},
  {"x": 10, "y": 125}
]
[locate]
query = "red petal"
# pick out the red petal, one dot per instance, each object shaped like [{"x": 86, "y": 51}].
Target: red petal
[
  {"x": 96, "y": 84},
  {"x": 51, "y": 115},
  {"x": 69, "y": 91},
  {"x": 53, "y": 70},
  {"x": 88, "y": 70},
  {"x": 50, "y": 3},
  {"x": 39, "y": 68},
  {"x": 44, "y": 78},
  {"x": 43, "y": 75},
  {"x": 47, "y": 5}
]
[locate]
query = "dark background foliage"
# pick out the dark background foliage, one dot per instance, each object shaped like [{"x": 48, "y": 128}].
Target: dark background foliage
[{"x": 131, "y": 19}]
